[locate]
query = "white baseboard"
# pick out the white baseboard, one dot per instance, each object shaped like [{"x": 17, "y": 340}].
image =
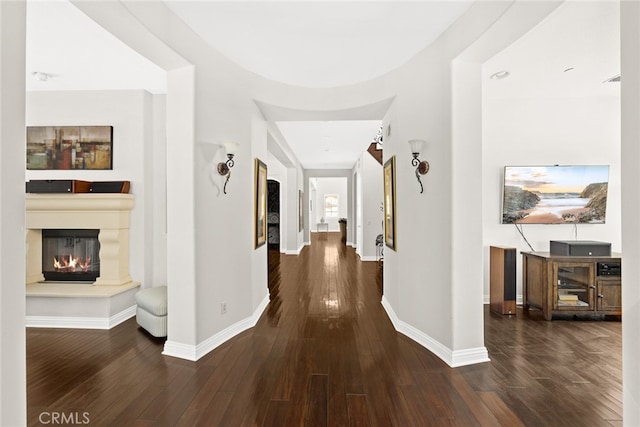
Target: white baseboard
[
  {"x": 295, "y": 251},
  {"x": 368, "y": 258},
  {"x": 80, "y": 322},
  {"x": 452, "y": 358},
  {"x": 353, "y": 245},
  {"x": 179, "y": 350},
  {"x": 195, "y": 352}
]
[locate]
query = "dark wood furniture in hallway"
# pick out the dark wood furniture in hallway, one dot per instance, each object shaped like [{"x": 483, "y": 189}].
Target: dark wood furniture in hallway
[{"x": 324, "y": 353}]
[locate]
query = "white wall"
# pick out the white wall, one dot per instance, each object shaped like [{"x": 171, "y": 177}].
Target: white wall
[
  {"x": 425, "y": 268},
  {"x": 326, "y": 186},
  {"x": 259, "y": 282},
  {"x": 138, "y": 120},
  {"x": 13, "y": 376},
  {"x": 544, "y": 116},
  {"x": 295, "y": 237},
  {"x": 372, "y": 198},
  {"x": 565, "y": 131}
]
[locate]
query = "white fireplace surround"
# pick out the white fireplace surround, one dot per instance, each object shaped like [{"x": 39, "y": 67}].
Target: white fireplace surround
[
  {"x": 107, "y": 212},
  {"x": 101, "y": 305}
]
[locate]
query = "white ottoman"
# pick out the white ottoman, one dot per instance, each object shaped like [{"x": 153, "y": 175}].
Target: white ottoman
[{"x": 151, "y": 313}]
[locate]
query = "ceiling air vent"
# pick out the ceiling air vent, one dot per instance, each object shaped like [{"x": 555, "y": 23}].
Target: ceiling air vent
[{"x": 614, "y": 79}]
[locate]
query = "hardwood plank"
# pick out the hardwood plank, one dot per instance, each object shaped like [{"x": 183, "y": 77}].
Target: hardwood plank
[
  {"x": 358, "y": 412},
  {"x": 325, "y": 353},
  {"x": 316, "y": 410},
  {"x": 277, "y": 413},
  {"x": 505, "y": 416}
]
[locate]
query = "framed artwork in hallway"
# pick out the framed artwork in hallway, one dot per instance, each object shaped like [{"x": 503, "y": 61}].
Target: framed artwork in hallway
[
  {"x": 390, "y": 202},
  {"x": 260, "y": 204},
  {"x": 69, "y": 147}
]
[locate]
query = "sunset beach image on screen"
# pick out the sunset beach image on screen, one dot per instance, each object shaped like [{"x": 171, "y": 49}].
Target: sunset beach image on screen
[{"x": 555, "y": 194}]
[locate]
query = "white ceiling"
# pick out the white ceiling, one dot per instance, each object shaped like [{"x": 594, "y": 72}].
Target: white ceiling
[
  {"x": 80, "y": 55},
  {"x": 329, "y": 145},
  {"x": 581, "y": 35},
  {"x": 321, "y": 44}
]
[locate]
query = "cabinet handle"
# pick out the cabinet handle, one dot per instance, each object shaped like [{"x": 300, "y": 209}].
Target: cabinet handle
[
  {"x": 592, "y": 286},
  {"x": 600, "y": 296}
]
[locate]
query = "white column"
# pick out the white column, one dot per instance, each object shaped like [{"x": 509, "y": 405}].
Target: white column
[
  {"x": 630, "y": 94},
  {"x": 181, "y": 271},
  {"x": 466, "y": 239},
  {"x": 13, "y": 400}
]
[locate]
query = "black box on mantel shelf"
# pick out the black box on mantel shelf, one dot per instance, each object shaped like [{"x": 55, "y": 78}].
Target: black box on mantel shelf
[
  {"x": 76, "y": 186},
  {"x": 57, "y": 186},
  {"x": 579, "y": 248}
]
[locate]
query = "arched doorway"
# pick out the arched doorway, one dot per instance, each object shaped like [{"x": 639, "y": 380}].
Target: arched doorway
[{"x": 273, "y": 231}]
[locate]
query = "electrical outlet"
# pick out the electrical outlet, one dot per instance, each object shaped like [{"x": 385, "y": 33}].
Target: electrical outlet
[{"x": 223, "y": 307}]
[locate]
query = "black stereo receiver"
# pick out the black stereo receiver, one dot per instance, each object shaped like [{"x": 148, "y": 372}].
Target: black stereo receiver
[{"x": 609, "y": 269}]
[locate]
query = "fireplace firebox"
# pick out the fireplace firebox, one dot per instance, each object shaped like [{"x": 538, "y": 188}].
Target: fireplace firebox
[{"x": 70, "y": 255}]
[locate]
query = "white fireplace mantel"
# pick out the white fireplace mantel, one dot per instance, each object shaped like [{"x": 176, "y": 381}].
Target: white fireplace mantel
[{"x": 108, "y": 212}]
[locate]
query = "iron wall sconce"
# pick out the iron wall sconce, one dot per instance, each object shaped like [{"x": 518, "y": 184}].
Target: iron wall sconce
[
  {"x": 224, "y": 168},
  {"x": 422, "y": 166}
]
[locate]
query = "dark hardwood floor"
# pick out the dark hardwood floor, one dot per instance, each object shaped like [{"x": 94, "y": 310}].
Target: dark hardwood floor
[{"x": 324, "y": 353}]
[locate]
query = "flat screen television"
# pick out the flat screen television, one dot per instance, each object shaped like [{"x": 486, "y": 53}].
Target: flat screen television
[{"x": 555, "y": 194}]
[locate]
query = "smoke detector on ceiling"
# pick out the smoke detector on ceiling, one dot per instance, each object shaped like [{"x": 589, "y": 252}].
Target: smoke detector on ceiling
[
  {"x": 614, "y": 79},
  {"x": 500, "y": 75},
  {"x": 40, "y": 76}
]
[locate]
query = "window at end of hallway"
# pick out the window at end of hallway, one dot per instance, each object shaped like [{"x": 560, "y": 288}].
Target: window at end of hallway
[{"x": 330, "y": 205}]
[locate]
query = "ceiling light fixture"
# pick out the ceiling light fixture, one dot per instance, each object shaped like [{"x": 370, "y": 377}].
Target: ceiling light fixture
[
  {"x": 614, "y": 79},
  {"x": 40, "y": 76},
  {"x": 500, "y": 75}
]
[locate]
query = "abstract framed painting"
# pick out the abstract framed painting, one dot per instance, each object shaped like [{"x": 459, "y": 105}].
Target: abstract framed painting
[{"x": 69, "y": 147}]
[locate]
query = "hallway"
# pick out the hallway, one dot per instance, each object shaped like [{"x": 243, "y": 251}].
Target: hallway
[{"x": 325, "y": 354}]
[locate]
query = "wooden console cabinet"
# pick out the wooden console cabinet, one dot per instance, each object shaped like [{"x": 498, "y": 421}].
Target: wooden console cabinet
[{"x": 571, "y": 285}]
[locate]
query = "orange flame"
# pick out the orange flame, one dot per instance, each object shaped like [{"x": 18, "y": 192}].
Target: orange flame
[{"x": 71, "y": 264}]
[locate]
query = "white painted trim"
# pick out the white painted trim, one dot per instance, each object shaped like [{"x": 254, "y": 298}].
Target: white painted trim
[
  {"x": 452, "y": 358},
  {"x": 80, "y": 322},
  {"x": 353, "y": 245},
  {"x": 193, "y": 353},
  {"x": 179, "y": 350},
  {"x": 124, "y": 315},
  {"x": 469, "y": 356},
  {"x": 368, "y": 258},
  {"x": 295, "y": 251}
]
